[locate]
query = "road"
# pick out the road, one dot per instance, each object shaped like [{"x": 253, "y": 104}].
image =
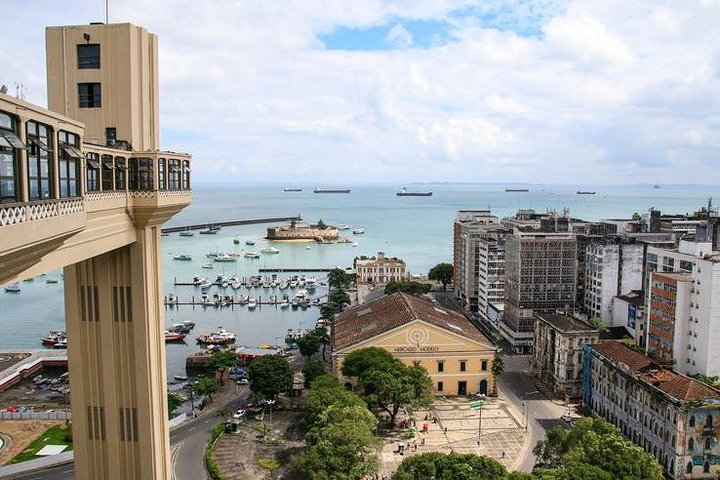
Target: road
[{"x": 542, "y": 414}]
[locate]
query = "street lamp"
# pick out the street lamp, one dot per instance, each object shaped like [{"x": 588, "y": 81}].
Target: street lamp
[{"x": 270, "y": 404}]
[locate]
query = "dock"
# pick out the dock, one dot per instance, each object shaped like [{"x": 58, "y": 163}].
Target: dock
[
  {"x": 233, "y": 302},
  {"x": 231, "y": 223},
  {"x": 294, "y": 270}
]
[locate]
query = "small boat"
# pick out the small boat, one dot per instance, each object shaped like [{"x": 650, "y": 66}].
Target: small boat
[
  {"x": 251, "y": 254},
  {"x": 310, "y": 284},
  {"x": 224, "y": 257},
  {"x": 295, "y": 303},
  {"x": 209, "y": 231},
  {"x": 208, "y": 266},
  {"x": 54, "y": 337},
  {"x": 354, "y": 244},
  {"x": 331, "y": 190},
  {"x": 221, "y": 337},
  {"x": 12, "y": 288},
  {"x": 343, "y": 226},
  {"x": 404, "y": 193},
  {"x": 205, "y": 286},
  {"x": 31, "y": 279},
  {"x": 171, "y": 337},
  {"x": 358, "y": 231},
  {"x": 236, "y": 241},
  {"x": 284, "y": 305},
  {"x": 252, "y": 303},
  {"x": 187, "y": 233},
  {"x": 584, "y": 192},
  {"x": 270, "y": 250},
  {"x": 181, "y": 378},
  {"x": 283, "y": 285},
  {"x": 51, "y": 280},
  {"x": 250, "y": 242},
  {"x": 291, "y": 189},
  {"x": 307, "y": 248},
  {"x": 164, "y": 234},
  {"x": 183, "y": 257},
  {"x": 61, "y": 344},
  {"x": 197, "y": 280}
]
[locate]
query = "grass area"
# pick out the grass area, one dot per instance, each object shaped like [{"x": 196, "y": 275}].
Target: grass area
[
  {"x": 57, "y": 435},
  {"x": 209, "y": 458},
  {"x": 269, "y": 464}
]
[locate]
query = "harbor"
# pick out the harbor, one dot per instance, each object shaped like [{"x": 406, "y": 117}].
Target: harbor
[{"x": 231, "y": 223}]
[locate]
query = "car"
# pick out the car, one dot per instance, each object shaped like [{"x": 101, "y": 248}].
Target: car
[
  {"x": 239, "y": 414},
  {"x": 243, "y": 381},
  {"x": 565, "y": 417}
]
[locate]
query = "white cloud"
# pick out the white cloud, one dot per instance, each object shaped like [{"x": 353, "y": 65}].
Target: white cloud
[{"x": 609, "y": 90}]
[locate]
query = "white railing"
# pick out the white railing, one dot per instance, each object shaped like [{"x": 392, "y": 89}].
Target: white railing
[
  {"x": 14, "y": 214},
  {"x": 94, "y": 196}
]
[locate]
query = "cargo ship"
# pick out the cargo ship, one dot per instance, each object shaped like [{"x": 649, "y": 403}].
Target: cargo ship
[
  {"x": 331, "y": 190},
  {"x": 404, "y": 193},
  {"x": 290, "y": 189},
  {"x": 583, "y": 192},
  {"x": 517, "y": 189}
]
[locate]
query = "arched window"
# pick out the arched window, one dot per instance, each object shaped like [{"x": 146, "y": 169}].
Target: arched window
[
  {"x": 709, "y": 422},
  {"x": 692, "y": 420},
  {"x": 708, "y": 443},
  {"x": 688, "y": 467},
  {"x": 706, "y": 467},
  {"x": 9, "y": 144},
  {"x": 691, "y": 444}
]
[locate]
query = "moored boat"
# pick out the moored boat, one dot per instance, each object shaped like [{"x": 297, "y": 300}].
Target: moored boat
[
  {"x": 224, "y": 257},
  {"x": 252, "y": 303},
  {"x": 405, "y": 193},
  {"x": 12, "y": 288},
  {"x": 270, "y": 250},
  {"x": 187, "y": 233},
  {"x": 358, "y": 231},
  {"x": 54, "y": 337},
  {"x": 331, "y": 190},
  {"x": 174, "y": 337},
  {"x": 251, "y": 254},
  {"x": 221, "y": 337},
  {"x": 250, "y": 242},
  {"x": 343, "y": 226},
  {"x": 182, "y": 257},
  {"x": 292, "y": 189}
]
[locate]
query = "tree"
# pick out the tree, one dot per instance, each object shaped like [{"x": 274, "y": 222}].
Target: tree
[
  {"x": 338, "y": 278},
  {"x": 453, "y": 466},
  {"x": 498, "y": 367},
  {"x": 224, "y": 413},
  {"x": 326, "y": 391},
  {"x": 321, "y": 225},
  {"x": 595, "y": 443},
  {"x": 221, "y": 361},
  {"x": 270, "y": 375},
  {"x": 597, "y": 324},
  {"x": 293, "y": 224},
  {"x": 575, "y": 471},
  {"x": 174, "y": 401},
  {"x": 308, "y": 344},
  {"x": 364, "y": 360},
  {"x": 411, "y": 287},
  {"x": 339, "y": 297},
  {"x": 328, "y": 311},
  {"x": 442, "y": 272},
  {"x": 206, "y": 386},
  {"x": 636, "y": 217},
  {"x": 313, "y": 370}
]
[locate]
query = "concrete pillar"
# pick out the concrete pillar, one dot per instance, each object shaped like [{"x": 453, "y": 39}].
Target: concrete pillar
[{"x": 116, "y": 356}]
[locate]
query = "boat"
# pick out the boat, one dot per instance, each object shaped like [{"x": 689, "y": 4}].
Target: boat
[
  {"x": 208, "y": 231},
  {"x": 61, "y": 344},
  {"x": 656, "y": 186},
  {"x": 183, "y": 257},
  {"x": 187, "y": 233},
  {"x": 224, "y": 257},
  {"x": 221, "y": 337},
  {"x": 358, "y": 231},
  {"x": 307, "y": 248},
  {"x": 250, "y": 242},
  {"x": 517, "y": 189},
  {"x": 208, "y": 266},
  {"x": 183, "y": 327},
  {"x": 54, "y": 337},
  {"x": 12, "y": 288},
  {"x": 310, "y": 284},
  {"x": 236, "y": 241},
  {"x": 171, "y": 337},
  {"x": 404, "y": 193},
  {"x": 584, "y": 192},
  {"x": 291, "y": 189},
  {"x": 270, "y": 250},
  {"x": 181, "y": 378},
  {"x": 252, "y": 303},
  {"x": 51, "y": 280},
  {"x": 205, "y": 285},
  {"x": 354, "y": 244},
  {"x": 284, "y": 305},
  {"x": 343, "y": 226},
  {"x": 197, "y": 280},
  {"x": 331, "y": 190},
  {"x": 251, "y": 254},
  {"x": 164, "y": 234}
]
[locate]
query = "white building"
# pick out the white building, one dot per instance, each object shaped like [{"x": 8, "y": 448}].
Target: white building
[
  {"x": 467, "y": 230},
  {"x": 380, "y": 270}
]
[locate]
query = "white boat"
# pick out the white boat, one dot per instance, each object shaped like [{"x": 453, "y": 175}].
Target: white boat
[
  {"x": 187, "y": 233},
  {"x": 354, "y": 244},
  {"x": 208, "y": 266},
  {"x": 205, "y": 285},
  {"x": 270, "y": 250},
  {"x": 224, "y": 257},
  {"x": 12, "y": 288},
  {"x": 301, "y": 294},
  {"x": 358, "y": 231},
  {"x": 250, "y": 242},
  {"x": 251, "y": 254},
  {"x": 252, "y": 303},
  {"x": 310, "y": 283},
  {"x": 235, "y": 285},
  {"x": 284, "y": 305},
  {"x": 307, "y": 248},
  {"x": 343, "y": 226},
  {"x": 183, "y": 257}
]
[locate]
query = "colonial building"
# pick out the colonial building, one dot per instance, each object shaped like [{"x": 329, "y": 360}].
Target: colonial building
[
  {"x": 455, "y": 354},
  {"x": 380, "y": 270},
  {"x": 672, "y": 417},
  {"x": 557, "y": 352}
]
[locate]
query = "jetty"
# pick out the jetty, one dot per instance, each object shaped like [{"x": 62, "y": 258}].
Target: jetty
[{"x": 231, "y": 223}]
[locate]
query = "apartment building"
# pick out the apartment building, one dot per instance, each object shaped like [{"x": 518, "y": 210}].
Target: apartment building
[
  {"x": 467, "y": 230},
  {"x": 671, "y": 416},
  {"x": 491, "y": 273}
]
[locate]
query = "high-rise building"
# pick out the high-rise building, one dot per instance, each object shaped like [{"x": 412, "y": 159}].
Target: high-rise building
[
  {"x": 491, "y": 274},
  {"x": 669, "y": 304},
  {"x": 540, "y": 276},
  {"x": 466, "y": 231}
]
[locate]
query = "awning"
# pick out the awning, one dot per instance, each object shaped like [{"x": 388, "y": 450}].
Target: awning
[
  {"x": 107, "y": 164},
  {"x": 93, "y": 163},
  {"x": 119, "y": 166},
  {"x": 72, "y": 151},
  {"x": 39, "y": 143},
  {"x": 12, "y": 139}
]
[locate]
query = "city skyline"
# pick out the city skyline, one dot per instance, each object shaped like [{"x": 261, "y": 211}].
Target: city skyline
[{"x": 442, "y": 91}]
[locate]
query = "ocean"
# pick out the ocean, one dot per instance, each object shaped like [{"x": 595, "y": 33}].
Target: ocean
[{"x": 417, "y": 229}]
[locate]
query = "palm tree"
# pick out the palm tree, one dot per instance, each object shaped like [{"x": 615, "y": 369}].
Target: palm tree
[{"x": 498, "y": 367}]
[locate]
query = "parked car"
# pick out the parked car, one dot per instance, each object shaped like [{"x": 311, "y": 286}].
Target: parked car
[
  {"x": 243, "y": 381},
  {"x": 239, "y": 414},
  {"x": 565, "y": 417}
]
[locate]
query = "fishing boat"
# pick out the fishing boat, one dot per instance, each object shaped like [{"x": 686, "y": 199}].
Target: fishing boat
[
  {"x": 54, "y": 337},
  {"x": 358, "y": 231},
  {"x": 270, "y": 250},
  {"x": 12, "y": 288},
  {"x": 291, "y": 189},
  {"x": 284, "y": 305},
  {"x": 224, "y": 257},
  {"x": 187, "y": 233},
  {"x": 171, "y": 337},
  {"x": 405, "y": 193},
  {"x": 250, "y": 242},
  {"x": 251, "y": 254},
  {"x": 183, "y": 257},
  {"x": 221, "y": 337},
  {"x": 331, "y": 190},
  {"x": 61, "y": 344},
  {"x": 343, "y": 226},
  {"x": 584, "y": 192}
]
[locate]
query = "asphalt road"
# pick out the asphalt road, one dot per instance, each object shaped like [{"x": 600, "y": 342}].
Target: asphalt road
[{"x": 541, "y": 414}]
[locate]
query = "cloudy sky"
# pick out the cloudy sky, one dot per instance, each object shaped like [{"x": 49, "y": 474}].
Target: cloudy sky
[{"x": 346, "y": 91}]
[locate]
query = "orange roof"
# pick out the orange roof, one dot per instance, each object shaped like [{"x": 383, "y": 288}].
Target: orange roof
[{"x": 370, "y": 319}]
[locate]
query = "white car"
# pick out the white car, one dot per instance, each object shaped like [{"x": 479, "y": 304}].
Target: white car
[
  {"x": 239, "y": 414},
  {"x": 243, "y": 381},
  {"x": 565, "y": 417}
]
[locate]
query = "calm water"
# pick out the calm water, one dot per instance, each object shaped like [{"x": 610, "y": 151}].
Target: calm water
[{"x": 418, "y": 229}]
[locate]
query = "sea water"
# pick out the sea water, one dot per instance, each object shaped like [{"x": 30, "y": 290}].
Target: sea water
[{"x": 416, "y": 229}]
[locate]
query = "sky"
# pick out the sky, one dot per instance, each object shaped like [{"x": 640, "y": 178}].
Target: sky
[{"x": 333, "y": 92}]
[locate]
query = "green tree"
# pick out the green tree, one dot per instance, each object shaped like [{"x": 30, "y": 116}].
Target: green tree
[
  {"x": 206, "y": 386},
  {"x": 321, "y": 225},
  {"x": 339, "y": 297},
  {"x": 174, "y": 401},
  {"x": 270, "y": 375},
  {"x": 574, "y": 471},
  {"x": 596, "y": 443},
  {"x": 326, "y": 391},
  {"x": 308, "y": 344},
  {"x": 411, "y": 287},
  {"x": 498, "y": 367},
  {"x": 328, "y": 311},
  {"x": 442, "y": 272},
  {"x": 221, "y": 361},
  {"x": 636, "y": 216},
  {"x": 364, "y": 360},
  {"x": 313, "y": 370},
  {"x": 338, "y": 278},
  {"x": 597, "y": 323},
  {"x": 224, "y": 413},
  {"x": 453, "y": 466}
]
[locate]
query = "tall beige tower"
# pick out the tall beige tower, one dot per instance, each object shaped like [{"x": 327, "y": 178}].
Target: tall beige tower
[{"x": 107, "y": 77}]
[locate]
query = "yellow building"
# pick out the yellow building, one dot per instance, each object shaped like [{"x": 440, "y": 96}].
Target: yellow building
[{"x": 455, "y": 354}]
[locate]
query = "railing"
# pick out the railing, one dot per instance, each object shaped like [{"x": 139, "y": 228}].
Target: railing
[{"x": 15, "y": 214}]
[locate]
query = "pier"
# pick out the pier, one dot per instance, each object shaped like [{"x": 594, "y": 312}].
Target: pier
[
  {"x": 232, "y": 302},
  {"x": 294, "y": 270},
  {"x": 231, "y": 223}
]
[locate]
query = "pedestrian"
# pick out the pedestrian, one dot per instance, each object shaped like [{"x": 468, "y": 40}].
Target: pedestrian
[
  {"x": 422, "y": 442},
  {"x": 503, "y": 454},
  {"x": 426, "y": 416},
  {"x": 445, "y": 430}
]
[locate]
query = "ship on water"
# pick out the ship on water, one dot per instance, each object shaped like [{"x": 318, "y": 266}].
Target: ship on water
[
  {"x": 404, "y": 193},
  {"x": 292, "y": 189},
  {"x": 331, "y": 190},
  {"x": 517, "y": 189},
  {"x": 584, "y": 192}
]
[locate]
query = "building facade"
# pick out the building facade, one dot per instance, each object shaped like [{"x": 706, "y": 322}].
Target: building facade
[
  {"x": 672, "y": 417},
  {"x": 467, "y": 230},
  {"x": 540, "y": 276},
  {"x": 380, "y": 270},
  {"x": 557, "y": 352},
  {"x": 457, "y": 357},
  {"x": 491, "y": 274},
  {"x": 669, "y": 316}
]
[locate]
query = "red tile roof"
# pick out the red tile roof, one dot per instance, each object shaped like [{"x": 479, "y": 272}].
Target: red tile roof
[
  {"x": 618, "y": 352},
  {"x": 370, "y": 319}
]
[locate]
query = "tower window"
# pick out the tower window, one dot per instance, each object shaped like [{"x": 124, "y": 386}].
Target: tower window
[
  {"x": 89, "y": 95},
  {"x": 88, "y": 55}
]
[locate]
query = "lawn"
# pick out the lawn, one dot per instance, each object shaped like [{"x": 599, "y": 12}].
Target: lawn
[{"x": 52, "y": 436}]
